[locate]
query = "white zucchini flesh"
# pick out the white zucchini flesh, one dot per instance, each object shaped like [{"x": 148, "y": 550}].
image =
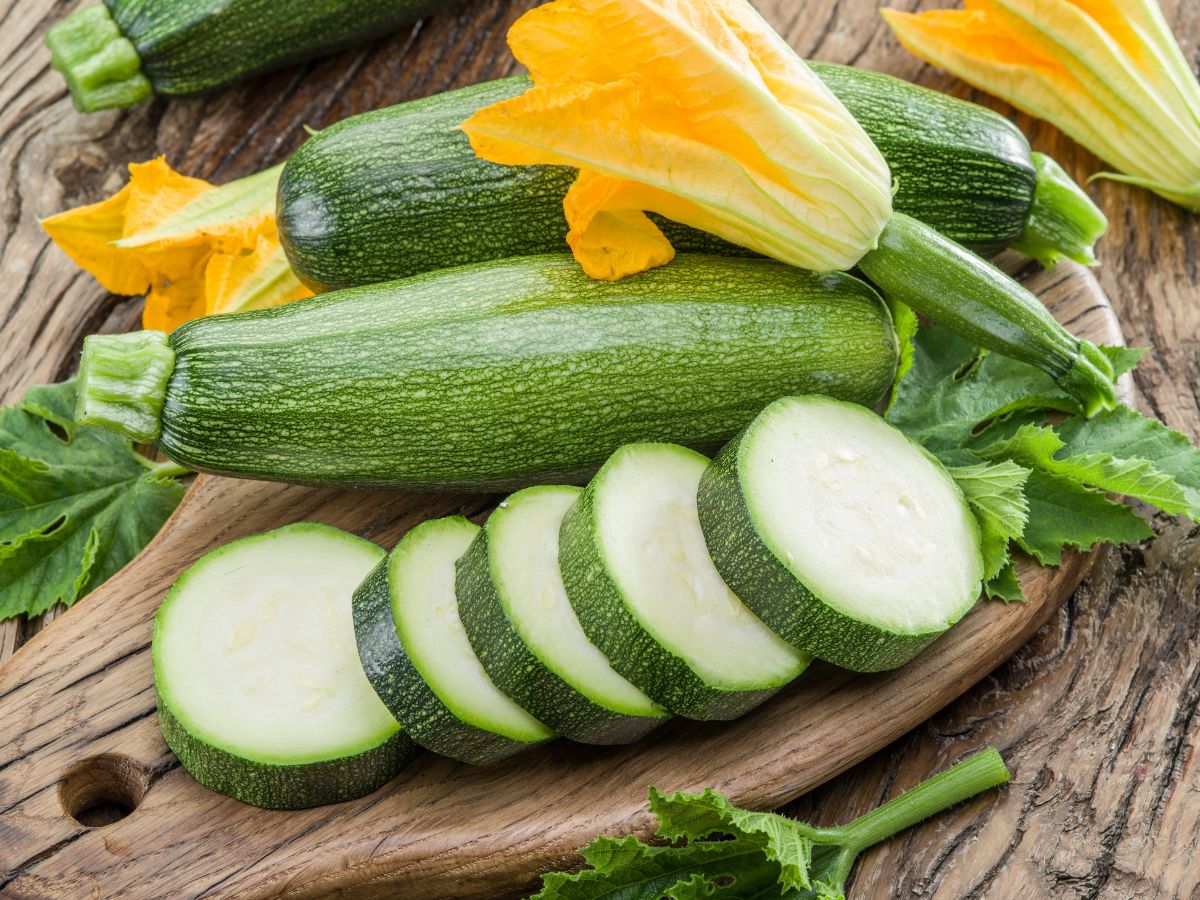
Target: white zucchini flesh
[
  {"x": 650, "y": 538},
  {"x": 866, "y": 519},
  {"x": 524, "y": 537},
  {"x": 254, "y": 649},
  {"x": 425, "y": 610}
]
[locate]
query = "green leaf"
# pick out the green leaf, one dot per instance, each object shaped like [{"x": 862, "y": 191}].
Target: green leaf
[
  {"x": 907, "y": 325},
  {"x": 953, "y": 390},
  {"x": 996, "y": 494},
  {"x": 1125, "y": 433},
  {"x": 1006, "y": 585},
  {"x": 1065, "y": 513},
  {"x": 76, "y": 504},
  {"x": 759, "y": 856},
  {"x": 629, "y": 870},
  {"x": 781, "y": 840},
  {"x": 1040, "y": 447},
  {"x": 1124, "y": 359}
]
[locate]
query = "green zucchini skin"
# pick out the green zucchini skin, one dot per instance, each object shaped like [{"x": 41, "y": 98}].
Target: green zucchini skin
[
  {"x": 397, "y": 191},
  {"x": 188, "y": 46},
  {"x": 281, "y": 786},
  {"x": 958, "y": 167},
  {"x": 512, "y": 372},
  {"x": 518, "y": 671},
  {"x": 633, "y": 652},
  {"x": 430, "y": 723}
]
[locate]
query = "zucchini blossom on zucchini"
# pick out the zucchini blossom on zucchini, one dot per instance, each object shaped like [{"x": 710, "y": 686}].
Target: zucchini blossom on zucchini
[
  {"x": 698, "y": 111},
  {"x": 1109, "y": 73},
  {"x": 193, "y": 248}
]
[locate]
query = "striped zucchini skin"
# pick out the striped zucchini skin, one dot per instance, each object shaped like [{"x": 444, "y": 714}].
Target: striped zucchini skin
[
  {"x": 187, "y": 46},
  {"x": 961, "y": 168},
  {"x": 521, "y": 674},
  {"x": 775, "y": 595},
  {"x": 421, "y": 713},
  {"x": 397, "y": 191},
  {"x": 634, "y": 654},
  {"x": 274, "y": 786},
  {"x": 502, "y": 374}
]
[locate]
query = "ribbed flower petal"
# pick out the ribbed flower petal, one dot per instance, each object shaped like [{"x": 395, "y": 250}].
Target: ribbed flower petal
[
  {"x": 1107, "y": 72},
  {"x": 695, "y": 110},
  {"x": 160, "y": 234}
]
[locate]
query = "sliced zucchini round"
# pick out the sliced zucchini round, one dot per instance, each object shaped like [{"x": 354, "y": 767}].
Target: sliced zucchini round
[
  {"x": 517, "y": 615},
  {"x": 633, "y": 560},
  {"x": 417, "y": 656},
  {"x": 844, "y": 536},
  {"x": 260, "y": 693}
]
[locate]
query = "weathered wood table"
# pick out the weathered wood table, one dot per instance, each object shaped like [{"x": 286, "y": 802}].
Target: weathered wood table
[{"x": 1096, "y": 715}]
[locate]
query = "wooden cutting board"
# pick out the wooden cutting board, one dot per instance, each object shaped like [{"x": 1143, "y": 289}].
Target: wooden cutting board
[{"x": 79, "y": 740}]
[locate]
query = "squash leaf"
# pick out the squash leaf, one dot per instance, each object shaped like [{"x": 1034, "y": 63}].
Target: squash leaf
[
  {"x": 1043, "y": 487},
  {"x": 76, "y": 503}
]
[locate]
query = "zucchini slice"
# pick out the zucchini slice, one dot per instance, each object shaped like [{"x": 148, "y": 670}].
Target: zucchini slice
[
  {"x": 516, "y": 613},
  {"x": 634, "y": 563},
  {"x": 260, "y": 693},
  {"x": 417, "y": 656},
  {"x": 844, "y": 536}
]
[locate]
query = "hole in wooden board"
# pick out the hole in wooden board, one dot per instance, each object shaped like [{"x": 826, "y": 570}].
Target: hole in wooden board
[{"x": 103, "y": 789}]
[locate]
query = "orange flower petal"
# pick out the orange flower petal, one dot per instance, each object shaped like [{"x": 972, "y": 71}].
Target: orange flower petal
[
  {"x": 245, "y": 281},
  {"x": 696, "y": 110},
  {"x": 1107, "y": 73}
]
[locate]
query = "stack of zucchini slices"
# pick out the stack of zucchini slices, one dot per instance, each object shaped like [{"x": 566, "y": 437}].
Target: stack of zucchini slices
[{"x": 671, "y": 585}]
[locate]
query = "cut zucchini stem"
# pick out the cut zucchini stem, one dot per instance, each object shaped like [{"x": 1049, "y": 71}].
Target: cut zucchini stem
[
  {"x": 953, "y": 287},
  {"x": 1063, "y": 221},
  {"x": 101, "y": 65},
  {"x": 123, "y": 383}
]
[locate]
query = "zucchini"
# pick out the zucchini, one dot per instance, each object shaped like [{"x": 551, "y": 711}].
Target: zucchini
[
  {"x": 844, "y": 536},
  {"x": 491, "y": 376},
  {"x": 515, "y": 610},
  {"x": 417, "y": 657},
  {"x": 635, "y": 567},
  {"x": 260, "y": 693},
  {"x": 117, "y": 54},
  {"x": 397, "y": 191}
]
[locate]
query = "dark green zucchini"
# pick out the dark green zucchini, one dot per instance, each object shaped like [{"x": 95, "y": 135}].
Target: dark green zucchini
[
  {"x": 117, "y": 54},
  {"x": 489, "y": 376},
  {"x": 398, "y": 191}
]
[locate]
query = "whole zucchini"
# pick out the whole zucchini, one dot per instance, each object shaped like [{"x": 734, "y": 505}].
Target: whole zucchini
[
  {"x": 115, "y": 55},
  {"x": 489, "y": 376},
  {"x": 397, "y": 191}
]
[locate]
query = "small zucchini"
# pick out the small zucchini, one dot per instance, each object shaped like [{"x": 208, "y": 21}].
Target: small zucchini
[{"x": 119, "y": 53}]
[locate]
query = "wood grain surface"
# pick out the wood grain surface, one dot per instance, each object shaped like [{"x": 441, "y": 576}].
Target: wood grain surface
[{"x": 1096, "y": 714}]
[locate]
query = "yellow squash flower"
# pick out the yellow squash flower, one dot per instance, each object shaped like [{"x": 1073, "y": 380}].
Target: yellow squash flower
[
  {"x": 1109, "y": 73},
  {"x": 698, "y": 111},
  {"x": 193, "y": 248}
]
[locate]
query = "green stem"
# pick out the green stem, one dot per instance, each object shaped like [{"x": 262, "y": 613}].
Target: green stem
[
  {"x": 953, "y": 287},
  {"x": 101, "y": 66},
  {"x": 978, "y": 773},
  {"x": 123, "y": 383},
  {"x": 1063, "y": 221},
  {"x": 165, "y": 469}
]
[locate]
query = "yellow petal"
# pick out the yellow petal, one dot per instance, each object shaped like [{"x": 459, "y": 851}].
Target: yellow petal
[
  {"x": 86, "y": 233},
  {"x": 162, "y": 227},
  {"x": 170, "y": 304},
  {"x": 237, "y": 282},
  {"x": 705, "y": 110},
  {"x": 1106, "y": 72}
]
